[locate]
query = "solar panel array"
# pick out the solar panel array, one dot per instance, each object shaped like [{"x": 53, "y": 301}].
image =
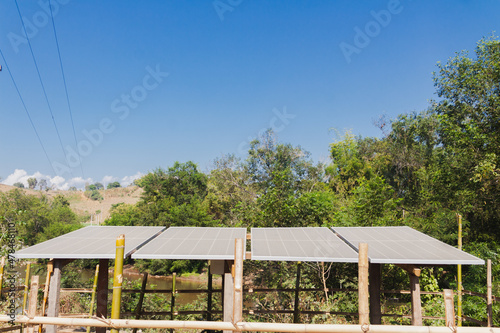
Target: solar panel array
[
  {"x": 97, "y": 242},
  {"x": 404, "y": 245},
  {"x": 300, "y": 244},
  {"x": 193, "y": 243}
]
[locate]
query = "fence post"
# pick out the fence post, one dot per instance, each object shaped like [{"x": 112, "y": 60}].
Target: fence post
[
  {"x": 363, "y": 306},
  {"x": 489, "y": 301},
  {"x": 33, "y": 300},
  {"x": 118, "y": 279},
  {"x": 296, "y": 310},
  {"x": 449, "y": 307}
]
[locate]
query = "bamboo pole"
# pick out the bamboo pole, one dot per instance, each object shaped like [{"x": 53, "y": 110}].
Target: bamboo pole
[
  {"x": 32, "y": 301},
  {"x": 296, "y": 309},
  {"x": 239, "y": 254},
  {"x": 172, "y": 299},
  {"x": 489, "y": 301},
  {"x": 138, "y": 310},
  {"x": 118, "y": 280},
  {"x": 449, "y": 308},
  {"x": 243, "y": 326},
  {"x": 94, "y": 289},
  {"x": 363, "y": 304},
  {"x": 2, "y": 265},
  {"x": 26, "y": 284},
  {"x": 459, "y": 273},
  {"x": 50, "y": 268}
]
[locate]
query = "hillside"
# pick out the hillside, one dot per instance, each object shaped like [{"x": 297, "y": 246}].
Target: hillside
[{"x": 83, "y": 206}]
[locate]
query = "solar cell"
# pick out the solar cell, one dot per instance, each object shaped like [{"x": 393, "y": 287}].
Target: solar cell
[
  {"x": 93, "y": 242},
  {"x": 192, "y": 243},
  {"x": 300, "y": 244},
  {"x": 404, "y": 245}
]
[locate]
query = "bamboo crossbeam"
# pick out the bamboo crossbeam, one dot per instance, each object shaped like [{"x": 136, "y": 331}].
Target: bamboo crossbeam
[
  {"x": 244, "y": 326},
  {"x": 10, "y": 328},
  {"x": 475, "y": 321}
]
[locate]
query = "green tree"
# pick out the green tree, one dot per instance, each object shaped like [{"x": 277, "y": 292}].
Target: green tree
[
  {"x": 32, "y": 183},
  {"x": 113, "y": 185},
  {"x": 19, "y": 185}
]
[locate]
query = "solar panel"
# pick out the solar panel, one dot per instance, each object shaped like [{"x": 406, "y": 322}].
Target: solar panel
[
  {"x": 94, "y": 242},
  {"x": 300, "y": 244},
  {"x": 404, "y": 245},
  {"x": 193, "y": 243}
]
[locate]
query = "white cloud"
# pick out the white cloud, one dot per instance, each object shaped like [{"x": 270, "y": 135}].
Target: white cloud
[{"x": 61, "y": 183}]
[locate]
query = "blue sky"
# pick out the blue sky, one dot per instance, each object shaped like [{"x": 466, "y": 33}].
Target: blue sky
[{"x": 154, "y": 82}]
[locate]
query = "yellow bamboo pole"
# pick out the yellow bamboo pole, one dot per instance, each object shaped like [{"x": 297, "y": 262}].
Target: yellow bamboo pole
[
  {"x": 50, "y": 269},
  {"x": 459, "y": 273},
  {"x": 26, "y": 282},
  {"x": 94, "y": 288},
  {"x": 489, "y": 301},
  {"x": 2, "y": 264},
  {"x": 118, "y": 280}
]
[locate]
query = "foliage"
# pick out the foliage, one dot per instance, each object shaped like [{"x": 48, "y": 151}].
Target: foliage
[
  {"x": 113, "y": 185},
  {"x": 32, "y": 183},
  {"x": 93, "y": 194},
  {"x": 19, "y": 185}
]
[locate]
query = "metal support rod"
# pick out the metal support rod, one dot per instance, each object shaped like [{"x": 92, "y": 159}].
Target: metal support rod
[
  {"x": 138, "y": 310},
  {"x": 489, "y": 301},
  {"x": 459, "y": 273},
  {"x": 296, "y": 309},
  {"x": 118, "y": 280}
]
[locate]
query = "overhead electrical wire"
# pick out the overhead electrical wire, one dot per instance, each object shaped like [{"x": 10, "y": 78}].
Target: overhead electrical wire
[
  {"x": 26, "y": 109},
  {"x": 64, "y": 81},
  {"x": 40, "y": 78}
]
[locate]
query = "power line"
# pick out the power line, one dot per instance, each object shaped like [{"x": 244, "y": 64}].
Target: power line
[
  {"x": 41, "y": 81},
  {"x": 64, "y": 81},
  {"x": 26, "y": 109}
]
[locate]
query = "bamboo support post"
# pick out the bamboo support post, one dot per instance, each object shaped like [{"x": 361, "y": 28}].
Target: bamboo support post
[
  {"x": 33, "y": 297},
  {"x": 239, "y": 254},
  {"x": 209, "y": 295},
  {"x": 489, "y": 301},
  {"x": 138, "y": 310},
  {"x": 375, "y": 282},
  {"x": 2, "y": 265},
  {"x": 459, "y": 273},
  {"x": 50, "y": 268},
  {"x": 26, "y": 285},
  {"x": 102, "y": 292},
  {"x": 118, "y": 280},
  {"x": 228, "y": 299},
  {"x": 449, "y": 308},
  {"x": 94, "y": 289},
  {"x": 363, "y": 304},
  {"x": 296, "y": 309},
  {"x": 172, "y": 299}
]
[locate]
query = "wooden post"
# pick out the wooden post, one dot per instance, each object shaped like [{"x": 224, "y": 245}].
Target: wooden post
[
  {"x": 296, "y": 309},
  {"x": 94, "y": 289},
  {"x": 209, "y": 296},
  {"x": 375, "y": 282},
  {"x": 102, "y": 293},
  {"x": 54, "y": 293},
  {"x": 363, "y": 304},
  {"x": 50, "y": 268},
  {"x": 449, "y": 307},
  {"x": 118, "y": 279},
  {"x": 172, "y": 299},
  {"x": 489, "y": 301},
  {"x": 228, "y": 299},
  {"x": 239, "y": 254},
  {"x": 33, "y": 297},
  {"x": 416, "y": 304},
  {"x": 138, "y": 310},
  {"x": 2, "y": 264}
]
